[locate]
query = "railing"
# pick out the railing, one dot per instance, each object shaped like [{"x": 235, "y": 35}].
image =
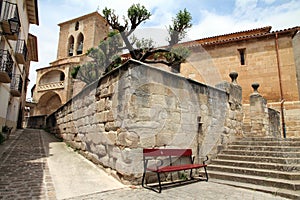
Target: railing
[
  {"x": 51, "y": 86},
  {"x": 6, "y": 62},
  {"x": 21, "y": 51},
  {"x": 9, "y": 13},
  {"x": 16, "y": 85}
]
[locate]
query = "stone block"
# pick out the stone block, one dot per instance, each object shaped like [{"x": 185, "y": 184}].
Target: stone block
[
  {"x": 100, "y": 150},
  {"x": 110, "y": 126},
  {"x": 130, "y": 169},
  {"x": 100, "y": 105},
  {"x": 83, "y": 146},
  {"x": 147, "y": 140},
  {"x": 111, "y": 137},
  {"x": 115, "y": 152},
  {"x": 109, "y": 116},
  {"x": 100, "y": 116},
  {"x": 95, "y": 137},
  {"x": 164, "y": 139},
  {"x": 128, "y": 139},
  {"x": 131, "y": 155}
]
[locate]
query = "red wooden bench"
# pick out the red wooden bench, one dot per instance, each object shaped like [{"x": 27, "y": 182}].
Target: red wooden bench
[{"x": 172, "y": 155}]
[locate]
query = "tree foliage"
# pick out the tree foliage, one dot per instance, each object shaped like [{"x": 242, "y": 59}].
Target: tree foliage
[
  {"x": 103, "y": 58},
  {"x": 106, "y": 56}
]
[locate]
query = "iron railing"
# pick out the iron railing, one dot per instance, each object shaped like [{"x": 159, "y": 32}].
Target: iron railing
[
  {"x": 6, "y": 62},
  {"x": 9, "y": 13},
  {"x": 21, "y": 49},
  {"x": 16, "y": 83}
]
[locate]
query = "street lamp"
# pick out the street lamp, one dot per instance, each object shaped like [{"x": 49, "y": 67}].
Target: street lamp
[{"x": 14, "y": 25}]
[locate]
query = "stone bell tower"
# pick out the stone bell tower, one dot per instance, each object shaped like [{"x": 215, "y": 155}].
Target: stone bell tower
[{"x": 55, "y": 86}]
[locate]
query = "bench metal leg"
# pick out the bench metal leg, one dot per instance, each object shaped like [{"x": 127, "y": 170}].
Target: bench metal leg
[
  {"x": 206, "y": 174},
  {"x": 143, "y": 179},
  {"x": 159, "y": 183},
  {"x": 191, "y": 174}
]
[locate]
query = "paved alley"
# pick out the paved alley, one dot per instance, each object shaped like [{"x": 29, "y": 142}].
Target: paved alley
[{"x": 35, "y": 165}]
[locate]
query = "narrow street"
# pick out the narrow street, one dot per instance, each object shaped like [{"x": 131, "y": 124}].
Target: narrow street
[{"x": 35, "y": 165}]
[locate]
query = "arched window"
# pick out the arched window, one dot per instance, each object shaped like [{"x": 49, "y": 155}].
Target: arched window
[
  {"x": 62, "y": 76},
  {"x": 79, "y": 44},
  {"x": 71, "y": 45},
  {"x": 76, "y": 26}
]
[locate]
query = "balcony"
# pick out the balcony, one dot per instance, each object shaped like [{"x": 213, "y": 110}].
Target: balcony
[
  {"x": 9, "y": 20},
  {"x": 16, "y": 85},
  {"x": 21, "y": 52},
  {"x": 51, "y": 86},
  {"x": 6, "y": 66}
]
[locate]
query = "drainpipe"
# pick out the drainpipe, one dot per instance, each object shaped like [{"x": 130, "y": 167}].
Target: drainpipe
[{"x": 280, "y": 86}]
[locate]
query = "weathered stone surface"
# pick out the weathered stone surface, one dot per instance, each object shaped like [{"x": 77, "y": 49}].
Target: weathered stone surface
[
  {"x": 110, "y": 126},
  {"x": 95, "y": 137},
  {"x": 111, "y": 137},
  {"x": 128, "y": 139}
]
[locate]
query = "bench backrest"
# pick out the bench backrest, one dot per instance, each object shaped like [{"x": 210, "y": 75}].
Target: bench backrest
[{"x": 167, "y": 152}]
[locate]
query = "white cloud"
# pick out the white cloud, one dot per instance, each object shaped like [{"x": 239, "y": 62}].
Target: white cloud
[{"x": 279, "y": 17}]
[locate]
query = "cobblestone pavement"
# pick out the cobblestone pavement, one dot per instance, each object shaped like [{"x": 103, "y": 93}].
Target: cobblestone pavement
[
  {"x": 25, "y": 174},
  {"x": 194, "y": 191}
]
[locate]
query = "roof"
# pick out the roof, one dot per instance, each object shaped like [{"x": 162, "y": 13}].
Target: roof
[
  {"x": 243, "y": 35},
  {"x": 32, "y": 10}
]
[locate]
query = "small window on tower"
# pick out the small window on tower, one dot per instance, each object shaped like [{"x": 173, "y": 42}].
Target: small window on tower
[
  {"x": 76, "y": 26},
  {"x": 242, "y": 56}
]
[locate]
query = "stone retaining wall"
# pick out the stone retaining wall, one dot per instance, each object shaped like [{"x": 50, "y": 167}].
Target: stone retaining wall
[{"x": 137, "y": 106}]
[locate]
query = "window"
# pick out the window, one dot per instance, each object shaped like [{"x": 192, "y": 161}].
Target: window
[
  {"x": 242, "y": 56},
  {"x": 70, "y": 45},
  {"x": 80, "y": 39},
  {"x": 62, "y": 76},
  {"x": 76, "y": 26}
]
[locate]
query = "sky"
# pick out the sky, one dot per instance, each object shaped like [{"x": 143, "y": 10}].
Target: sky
[{"x": 210, "y": 18}]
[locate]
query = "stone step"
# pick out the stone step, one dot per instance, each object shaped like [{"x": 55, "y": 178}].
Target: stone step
[
  {"x": 263, "y": 153},
  {"x": 291, "y": 194},
  {"x": 270, "y": 139},
  {"x": 263, "y": 159},
  {"x": 258, "y": 180},
  {"x": 257, "y": 165},
  {"x": 256, "y": 172},
  {"x": 267, "y": 143},
  {"x": 264, "y": 148}
]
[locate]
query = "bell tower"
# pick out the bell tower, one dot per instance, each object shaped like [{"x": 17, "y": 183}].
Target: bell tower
[
  {"x": 54, "y": 85},
  {"x": 78, "y": 35}
]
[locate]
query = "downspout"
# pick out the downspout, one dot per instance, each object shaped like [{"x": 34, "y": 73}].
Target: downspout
[{"x": 280, "y": 86}]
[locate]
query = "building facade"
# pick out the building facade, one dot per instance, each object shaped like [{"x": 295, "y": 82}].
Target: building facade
[
  {"x": 270, "y": 58},
  {"x": 17, "y": 49},
  {"x": 54, "y": 85}
]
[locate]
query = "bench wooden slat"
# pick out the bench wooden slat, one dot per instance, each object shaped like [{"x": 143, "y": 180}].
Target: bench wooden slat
[
  {"x": 176, "y": 168},
  {"x": 167, "y": 152}
]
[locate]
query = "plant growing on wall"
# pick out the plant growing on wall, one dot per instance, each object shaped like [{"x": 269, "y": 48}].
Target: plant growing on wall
[{"x": 107, "y": 56}]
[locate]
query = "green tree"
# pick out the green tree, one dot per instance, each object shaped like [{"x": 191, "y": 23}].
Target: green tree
[
  {"x": 102, "y": 59},
  {"x": 106, "y": 56}
]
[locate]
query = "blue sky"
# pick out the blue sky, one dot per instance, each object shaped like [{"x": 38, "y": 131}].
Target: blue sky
[{"x": 210, "y": 18}]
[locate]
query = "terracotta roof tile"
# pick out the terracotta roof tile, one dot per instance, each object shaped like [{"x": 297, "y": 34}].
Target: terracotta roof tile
[{"x": 243, "y": 35}]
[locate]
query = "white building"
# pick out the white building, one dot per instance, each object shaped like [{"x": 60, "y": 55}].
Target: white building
[{"x": 17, "y": 48}]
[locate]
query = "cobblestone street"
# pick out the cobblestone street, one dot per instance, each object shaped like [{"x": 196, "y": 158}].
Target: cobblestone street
[
  {"x": 24, "y": 172},
  {"x": 34, "y": 165}
]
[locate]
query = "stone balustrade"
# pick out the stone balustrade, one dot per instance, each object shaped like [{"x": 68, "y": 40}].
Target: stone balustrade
[{"x": 51, "y": 86}]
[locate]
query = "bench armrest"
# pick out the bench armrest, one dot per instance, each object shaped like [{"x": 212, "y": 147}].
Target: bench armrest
[
  {"x": 193, "y": 158},
  {"x": 205, "y": 160}
]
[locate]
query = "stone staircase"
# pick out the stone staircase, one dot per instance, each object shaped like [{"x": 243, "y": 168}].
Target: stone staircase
[{"x": 263, "y": 164}]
